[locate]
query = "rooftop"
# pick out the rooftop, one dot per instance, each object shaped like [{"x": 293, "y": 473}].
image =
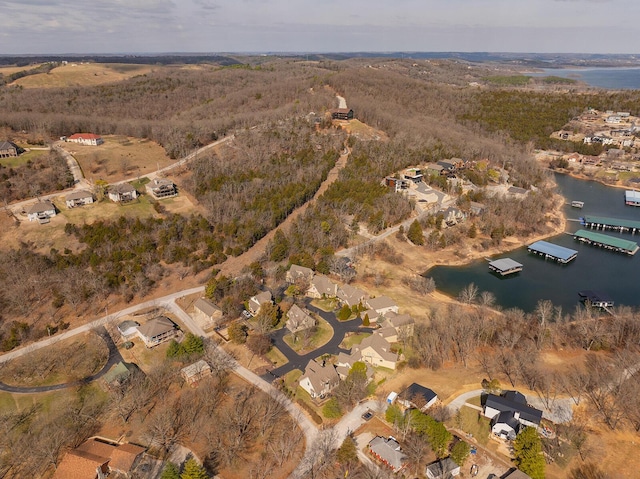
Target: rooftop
[
  {"x": 554, "y": 250},
  {"x": 615, "y": 242}
]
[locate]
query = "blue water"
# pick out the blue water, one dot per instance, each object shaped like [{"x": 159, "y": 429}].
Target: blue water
[
  {"x": 615, "y": 274},
  {"x": 610, "y": 78}
]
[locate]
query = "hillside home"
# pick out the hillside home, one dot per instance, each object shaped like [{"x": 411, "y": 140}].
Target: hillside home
[
  {"x": 319, "y": 379},
  {"x": 396, "y": 184},
  {"x": 195, "y": 372},
  {"x": 122, "y": 193},
  {"x": 434, "y": 169},
  {"x": 8, "y": 149},
  {"x": 388, "y": 451},
  {"x": 376, "y": 351},
  {"x": 87, "y": 139},
  {"x": 413, "y": 174},
  {"x": 417, "y": 396},
  {"x": 342, "y": 114},
  {"x": 161, "y": 188},
  {"x": 157, "y": 331},
  {"x": 443, "y": 469},
  {"x": 344, "y": 362},
  {"x": 41, "y": 211},
  {"x": 206, "y": 314},
  {"x": 119, "y": 373},
  {"x": 255, "y": 302},
  {"x": 78, "y": 198},
  {"x": 402, "y": 325},
  {"x": 322, "y": 287},
  {"x": 382, "y": 304},
  {"x": 297, "y": 273},
  {"x": 128, "y": 329},
  {"x": 299, "y": 320}
]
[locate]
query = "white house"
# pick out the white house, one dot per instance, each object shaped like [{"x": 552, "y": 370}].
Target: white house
[
  {"x": 41, "y": 211},
  {"x": 382, "y": 304},
  {"x": 157, "y": 331},
  {"x": 122, "y": 193},
  {"x": 512, "y": 404},
  {"x": 78, "y": 198},
  {"x": 88, "y": 139}
]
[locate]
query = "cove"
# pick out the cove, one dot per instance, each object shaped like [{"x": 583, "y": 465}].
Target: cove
[{"x": 615, "y": 274}]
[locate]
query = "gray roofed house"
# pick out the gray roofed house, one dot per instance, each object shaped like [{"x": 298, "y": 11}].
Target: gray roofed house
[
  {"x": 382, "y": 304},
  {"x": 319, "y": 379},
  {"x": 296, "y": 273},
  {"x": 78, "y": 198},
  {"x": 299, "y": 320},
  {"x": 402, "y": 324},
  {"x": 196, "y": 371},
  {"x": 344, "y": 362},
  {"x": 516, "y": 405},
  {"x": 128, "y": 329},
  {"x": 41, "y": 211},
  {"x": 161, "y": 188},
  {"x": 376, "y": 351},
  {"x": 122, "y": 193},
  {"x": 8, "y": 149},
  {"x": 321, "y": 286},
  {"x": 516, "y": 191},
  {"x": 388, "y": 451},
  {"x": 256, "y": 302},
  {"x": 350, "y": 295},
  {"x": 515, "y": 474},
  {"x": 205, "y": 313},
  {"x": 157, "y": 331},
  {"x": 443, "y": 469}
]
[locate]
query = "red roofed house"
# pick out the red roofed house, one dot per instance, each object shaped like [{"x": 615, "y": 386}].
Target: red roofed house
[
  {"x": 95, "y": 458},
  {"x": 89, "y": 139}
]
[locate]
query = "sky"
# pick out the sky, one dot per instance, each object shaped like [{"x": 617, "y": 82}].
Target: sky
[{"x": 224, "y": 26}]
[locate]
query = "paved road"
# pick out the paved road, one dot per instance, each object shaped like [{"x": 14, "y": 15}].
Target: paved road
[
  {"x": 73, "y": 165},
  {"x": 297, "y": 361}
]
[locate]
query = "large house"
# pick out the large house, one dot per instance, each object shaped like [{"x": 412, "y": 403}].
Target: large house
[
  {"x": 157, "y": 331},
  {"x": 322, "y": 287},
  {"x": 396, "y": 327},
  {"x": 122, "y": 193},
  {"x": 162, "y": 188},
  {"x": 98, "y": 458},
  {"x": 41, "y": 211},
  {"x": 255, "y": 302},
  {"x": 319, "y": 379},
  {"x": 8, "y": 149},
  {"x": 299, "y": 320},
  {"x": 342, "y": 114},
  {"x": 509, "y": 413},
  {"x": 376, "y": 351},
  {"x": 206, "y": 314},
  {"x": 88, "y": 139},
  {"x": 382, "y": 304},
  {"x": 297, "y": 273},
  {"x": 388, "y": 451},
  {"x": 350, "y": 295},
  {"x": 78, "y": 198}
]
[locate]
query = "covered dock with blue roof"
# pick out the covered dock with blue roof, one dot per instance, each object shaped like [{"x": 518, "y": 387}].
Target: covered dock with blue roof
[{"x": 556, "y": 252}]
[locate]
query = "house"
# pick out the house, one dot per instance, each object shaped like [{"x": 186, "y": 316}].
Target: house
[
  {"x": 344, "y": 362},
  {"x": 319, "y": 379},
  {"x": 387, "y": 451},
  {"x": 477, "y": 208},
  {"x": 434, "y": 169},
  {"x": 195, "y": 372},
  {"x": 443, "y": 469},
  {"x": 396, "y": 184},
  {"x": 78, "y": 198},
  {"x": 128, "y": 329},
  {"x": 613, "y": 119},
  {"x": 41, "y": 211},
  {"x": 350, "y": 295},
  {"x": 413, "y": 174},
  {"x": 514, "y": 473},
  {"x": 9, "y": 149},
  {"x": 342, "y": 114},
  {"x": 322, "y": 287},
  {"x": 299, "y": 320},
  {"x": 402, "y": 324},
  {"x": 515, "y": 191},
  {"x": 157, "y": 331},
  {"x": 161, "y": 188},
  {"x": 122, "y": 193},
  {"x": 256, "y": 302},
  {"x": 382, "y": 304},
  {"x": 206, "y": 314},
  {"x": 97, "y": 458},
  {"x": 88, "y": 139},
  {"x": 448, "y": 166},
  {"x": 297, "y": 273},
  {"x": 119, "y": 373},
  {"x": 343, "y": 267},
  {"x": 505, "y": 425},
  {"x": 453, "y": 216},
  {"x": 373, "y": 316},
  {"x": 418, "y": 396},
  {"x": 515, "y": 404},
  {"x": 376, "y": 351}
]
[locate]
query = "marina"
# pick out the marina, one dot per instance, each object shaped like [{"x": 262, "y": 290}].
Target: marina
[
  {"x": 615, "y": 224},
  {"x": 595, "y": 299},
  {"x": 612, "y": 243},
  {"x": 505, "y": 266},
  {"x": 553, "y": 251}
]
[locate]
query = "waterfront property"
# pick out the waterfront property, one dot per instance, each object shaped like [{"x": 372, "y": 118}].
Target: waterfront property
[
  {"x": 549, "y": 250},
  {"x": 595, "y": 299},
  {"x": 632, "y": 198},
  {"x": 612, "y": 243},
  {"x": 615, "y": 224},
  {"x": 505, "y": 266}
]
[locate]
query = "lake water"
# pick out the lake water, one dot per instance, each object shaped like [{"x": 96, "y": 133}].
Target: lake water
[
  {"x": 610, "y": 78},
  {"x": 616, "y": 274}
]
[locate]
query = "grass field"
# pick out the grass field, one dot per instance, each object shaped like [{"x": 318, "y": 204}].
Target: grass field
[
  {"x": 321, "y": 336},
  {"x": 11, "y": 70},
  {"x": 276, "y": 357},
  {"x": 328, "y": 305},
  {"x": 77, "y": 74},
  {"x": 119, "y": 158},
  {"x": 22, "y": 159},
  {"x": 470, "y": 421}
]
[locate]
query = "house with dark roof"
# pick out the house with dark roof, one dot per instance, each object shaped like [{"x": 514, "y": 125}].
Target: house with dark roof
[
  {"x": 388, "y": 451},
  {"x": 87, "y": 139},
  {"x": 122, "y": 193},
  {"x": 319, "y": 379},
  {"x": 341, "y": 114},
  {"x": 443, "y": 469},
  {"x": 9, "y": 149},
  {"x": 417, "y": 396},
  {"x": 78, "y": 198},
  {"x": 41, "y": 211},
  {"x": 515, "y": 405},
  {"x": 505, "y": 425},
  {"x": 157, "y": 331}
]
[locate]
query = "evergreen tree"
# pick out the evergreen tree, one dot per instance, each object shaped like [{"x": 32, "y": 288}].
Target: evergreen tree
[
  {"x": 344, "y": 313},
  {"x": 170, "y": 471},
  {"x": 414, "y": 234},
  {"x": 331, "y": 409},
  {"x": 193, "y": 470},
  {"x": 459, "y": 452},
  {"x": 365, "y": 321},
  {"x": 348, "y": 452},
  {"x": 527, "y": 450}
]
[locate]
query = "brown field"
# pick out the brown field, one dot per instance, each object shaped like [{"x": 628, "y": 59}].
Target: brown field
[
  {"x": 119, "y": 158},
  {"x": 12, "y": 70},
  {"x": 77, "y": 74}
]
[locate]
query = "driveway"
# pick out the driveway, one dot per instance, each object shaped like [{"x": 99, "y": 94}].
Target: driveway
[{"x": 297, "y": 361}]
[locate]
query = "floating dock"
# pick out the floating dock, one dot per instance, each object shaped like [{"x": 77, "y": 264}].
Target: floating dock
[
  {"x": 632, "y": 198},
  {"x": 612, "y": 243},
  {"x": 604, "y": 223},
  {"x": 577, "y": 204},
  {"x": 549, "y": 250},
  {"x": 505, "y": 266},
  {"x": 595, "y": 298}
]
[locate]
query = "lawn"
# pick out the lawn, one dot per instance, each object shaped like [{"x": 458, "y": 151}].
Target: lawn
[
  {"x": 276, "y": 357},
  {"x": 321, "y": 336},
  {"x": 471, "y": 422},
  {"x": 292, "y": 377},
  {"x": 353, "y": 339},
  {"x": 476, "y": 401},
  {"x": 327, "y": 304},
  {"x": 22, "y": 159}
]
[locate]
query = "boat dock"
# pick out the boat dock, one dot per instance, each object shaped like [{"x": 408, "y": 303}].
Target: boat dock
[
  {"x": 505, "y": 266},
  {"x": 595, "y": 299},
  {"x": 612, "y": 243},
  {"x": 577, "y": 204},
  {"x": 549, "y": 250},
  {"x": 632, "y": 198},
  {"x": 614, "y": 224}
]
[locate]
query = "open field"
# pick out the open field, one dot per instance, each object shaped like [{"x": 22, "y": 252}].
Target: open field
[
  {"x": 22, "y": 159},
  {"x": 12, "y": 70},
  {"x": 118, "y": 158},
  {"x": 80, "y": 74}
]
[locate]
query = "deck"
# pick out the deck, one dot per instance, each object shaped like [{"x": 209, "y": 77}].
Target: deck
[
  {"x": 505, "y": 266},
  {"x": 612, "y": 243},
  {"x": 614, "y": 224},
  {"x": 549, "y": 250}
]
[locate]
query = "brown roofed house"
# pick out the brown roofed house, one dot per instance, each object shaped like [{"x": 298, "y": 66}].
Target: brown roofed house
[
  {"x": 342, "y": 114},
  {"x": 382, "y": 304},
  {"x": 322, "y": 287},
  {"x": 78, "y": 198},
  {"x": 122, "y": 193},
  {"x": 256, "y": 302},
  {"x": 299, "y": 319},
  {"x": 8, "y": 149},
  {"x": 97, "y": 458},
  {"x": 206, "y": 314},
  {"x": 157, "y": 331},
  {"x": 82, "y": 465},
  {"x": 319, "y": 379},
  {"x": 350, "y": 295},
  {"x": 41, "y": 211},
  {"x": 296, "y": 273}
]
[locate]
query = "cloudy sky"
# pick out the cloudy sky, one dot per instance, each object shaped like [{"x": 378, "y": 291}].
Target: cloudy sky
[{"x": 148, "y": 26}]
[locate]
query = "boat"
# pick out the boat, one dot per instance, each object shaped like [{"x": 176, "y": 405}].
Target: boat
[{"x": 577, "y": 204}]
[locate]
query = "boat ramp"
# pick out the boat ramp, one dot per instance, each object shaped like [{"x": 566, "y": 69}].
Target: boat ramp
[
  {"x": 549, "y": 250},
  {"x": 612, "y": 243},
  {"x": 614, "y": 224},
  {"x": 505, "y": 266}
]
